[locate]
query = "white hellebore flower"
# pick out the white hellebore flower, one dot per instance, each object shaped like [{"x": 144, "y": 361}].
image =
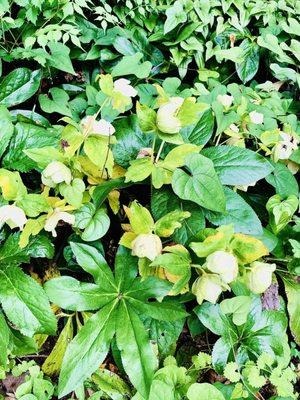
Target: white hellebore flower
[
  {"x": 146, "y": 245},
  {"x": 55, "y": 217},
  {"x": 259, "y": 278},
  {"x": 90, "y": 125},
  {"x": 207, "y": 287},
  {"x": 234, "y": 128},
  {"x": 56, "y": 172},
  {"x": 285, "y": 147},
  {"x": 14, "y": 217},
  {"x": 224, "y": 264},
  {"x": 123, "y": 86},
  {"x": 256, "y": 117},
  {"x": 166, "y": 117},
  {"x": 225, "y": 100}
]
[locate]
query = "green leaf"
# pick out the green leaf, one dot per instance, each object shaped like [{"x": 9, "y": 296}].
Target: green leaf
[
  {"x": 239, "y": 213},
  {"x": 131, "y": 65},
  {"x": 73, "y": 193},
  {"x": 87, "y": 350},
  {"x": 201, "y": 185},
  {"x": 111, "y": 384},
  {"x": 6, "y": 129},
  {"x": 27, "y": 136},
  {"x": 161, "y": 311},
  {"x": 164, "y": 201},
  {"x": 18, "y": 86},
  {"x": 60, "y": 58},
  {"x": 238, "y": 306},
  {"x": 204, "y": 391},
  {"x": 283, "y": 181},
  {"x": 202, "y": 131},
  {"x": 4, "y": 340},
  {"x": 130, "y": 140},
  {"x": 292, "y": 289},
  {"x": 248, "y": 68},
  {"x": 125, "y": 269},
  {"x": 138, "y": 358},
  {"x": 92, "y": 261},
  {"x": 238, "y": 166},
  {"x": 59, "y": 102},
  {"x": 19, "y": 296},
  {"x": 101, "y": 191},
  {"x": 167, "y": 224},
  {"x": 94, "y": 222},
  {"x": 175, "y": 16},
  {"x": 33, "y": 204},
  {"x": 71, "y": 294}
]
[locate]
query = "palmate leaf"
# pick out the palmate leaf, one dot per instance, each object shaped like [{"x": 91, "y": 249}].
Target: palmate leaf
[{"x": 121, "y": 299}]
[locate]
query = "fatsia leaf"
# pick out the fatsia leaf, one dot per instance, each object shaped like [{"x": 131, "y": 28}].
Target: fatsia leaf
[
  {"x": 201, "y": 185},
  {"x": 137, "y": 354},
  {"x": 160, "y": 311},
  {"x": 25, "y": 303},
  {"x": 145, "y": 289},
  {"x": 125, "y": 269},
  {"x": 87, "y": 350},
  {"x": 238, "y": 166},
  {"x": 71, "y": 294}
]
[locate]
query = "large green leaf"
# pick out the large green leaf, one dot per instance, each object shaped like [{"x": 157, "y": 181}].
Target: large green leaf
[
  {"x": 25, "y": 303},
  {"x": 137, "y": 354},
  {"x": 132, "y": 65},
  {"x": 238, "y": 166},
  {"x": 201, "y": 184},
  {"x": 239, "y": 213},
  {"x": 130, "y": 140},
  {"x": 283, "y": 181},
  {"x": 247, "y": 69},
  {"x": 202, "y": 131},
  {"x": 6, "y": 128},
  {"x": 92, "y": 261},
  {"x": 18, "y": 86},
  {"x": 60, "y": 58},
  {"x": 27, "y": 136},
  {"x": 87, "y": 350},
  {"x": 4, "y": 340},
  {"x": 71, "y": 294}
]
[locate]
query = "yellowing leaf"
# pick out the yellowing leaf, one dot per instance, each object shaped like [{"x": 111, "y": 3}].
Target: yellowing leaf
[
  {"x": 127, "y": 239},
  {"x": 248, "y": 249},
  {"x": 53, "y": 362},
  {"x": 32, "y": 228},
  {"x": 113, "y": 200},
  {"x": 11, "y": 185}
]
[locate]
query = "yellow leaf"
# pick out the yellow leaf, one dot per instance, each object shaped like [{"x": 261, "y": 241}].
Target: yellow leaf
[
  {"x": 127, "y": 239},
  {"x": 247, "y": 248},
  {"x": 113, "y": 199},
  {"x": 53, "y": 362}
]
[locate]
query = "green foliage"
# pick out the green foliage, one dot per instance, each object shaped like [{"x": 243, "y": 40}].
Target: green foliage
[{"x": 149, "y": 155}]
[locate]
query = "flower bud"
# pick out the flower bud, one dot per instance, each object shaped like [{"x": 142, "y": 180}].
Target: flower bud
[
  {"x": 14, "y": 217},
  {"x": 166, "y": 119},
  {"x": 207, "y": 287},
  {"x": 224, "y": 264},
  {"x": 259, "y": 278},
  {"x": 56, "y": 172},
  {"x": 146, "y": 245}
]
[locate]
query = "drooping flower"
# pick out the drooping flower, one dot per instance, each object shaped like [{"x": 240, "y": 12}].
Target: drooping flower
[
  {"x": 123, "y": 86},
  {"x": 207, "y": 287},
  {"x": 166, "y": 118},
  {"x": 56, "y": 172},
  {"x": 224, "y": 264},
  {"x": 256, "y": 117},
  {"x": 12, "y": 215},
  {"x": 147, "y": 245},
  {"x": 91, "y": 126},
  {"x": 259, "y": 278},
  {"x": 56, "y": 216},
  {"x": 225, "y": 100}
]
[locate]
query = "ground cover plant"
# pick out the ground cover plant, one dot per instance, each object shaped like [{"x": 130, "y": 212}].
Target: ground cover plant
[{"x": 149, "y": 199}]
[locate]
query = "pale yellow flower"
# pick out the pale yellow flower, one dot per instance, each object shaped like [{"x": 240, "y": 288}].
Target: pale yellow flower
[
  {"x": 146, "y": 245},
  {"x": 224, "y": 264},
  {"x": 12, "y": 215},
  {"x": 56, "y": 172}
]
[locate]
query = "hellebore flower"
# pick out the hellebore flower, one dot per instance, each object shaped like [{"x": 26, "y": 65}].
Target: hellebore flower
[
  {"x": 146, "y": 245},
  {"x": 259, "y": 278},
  {"x": 56, "y": 172},
  {"x": 123, "y": 86},
  {"x": 56, "y": 216},
  {"x": 12, "y": 215},
  {"x": 224, "y": 264},
  {"x": 91, "y": 126},
  {"x": 207, "y": 287},
  {"x": 225, "y": 100},
  {"x": 166, "y": 119},
  {"x": 256, "y": 117}
]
